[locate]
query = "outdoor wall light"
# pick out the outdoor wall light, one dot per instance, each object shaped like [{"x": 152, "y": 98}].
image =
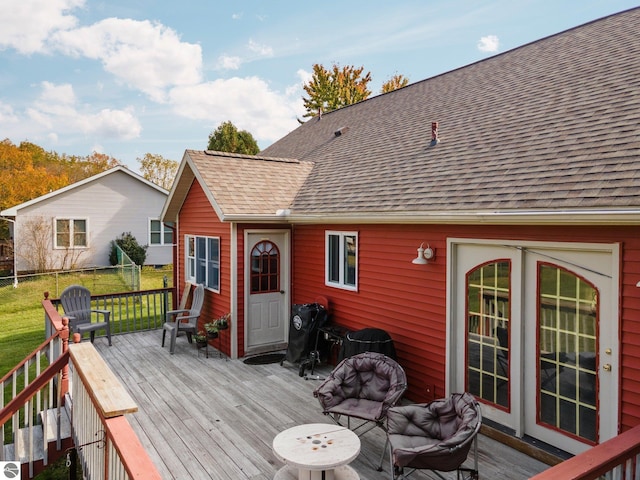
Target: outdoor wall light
[{"x": 424, "y": 255}]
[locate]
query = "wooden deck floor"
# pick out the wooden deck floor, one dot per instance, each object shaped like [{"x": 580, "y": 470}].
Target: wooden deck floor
[{"x": 209, "y": 418}]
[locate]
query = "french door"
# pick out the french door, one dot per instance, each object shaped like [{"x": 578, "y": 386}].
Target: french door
[{"x": 534, "y": 336}]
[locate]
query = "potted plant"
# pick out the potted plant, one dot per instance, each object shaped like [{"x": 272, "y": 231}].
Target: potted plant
[
  {"x": 212, "y": 329},
  {"x": 223, "y": 321},
  {"x": 200, "y": 339}
]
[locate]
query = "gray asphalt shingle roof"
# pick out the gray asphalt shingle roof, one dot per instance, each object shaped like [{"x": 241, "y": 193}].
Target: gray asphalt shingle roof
[{"x": 553, "y": 125}]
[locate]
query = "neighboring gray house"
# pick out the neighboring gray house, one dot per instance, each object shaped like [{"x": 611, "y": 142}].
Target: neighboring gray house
[{"x": 73, "y": 227}]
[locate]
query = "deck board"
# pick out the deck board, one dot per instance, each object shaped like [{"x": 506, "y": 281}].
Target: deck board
[{"x": 212, "y": 418}]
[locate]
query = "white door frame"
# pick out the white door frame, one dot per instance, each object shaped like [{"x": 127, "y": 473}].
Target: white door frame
[
  {"x": 609, "y": 343},
  {"x": 285, "y": 276}
]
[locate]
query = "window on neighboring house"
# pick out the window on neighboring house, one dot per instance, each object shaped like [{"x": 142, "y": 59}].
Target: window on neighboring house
[
  {"x": 160, "y": 233},
  {"x": 70, "y": 233},
  {"x": 341, "y": 255},
  {"x": 202, "y": 257}
]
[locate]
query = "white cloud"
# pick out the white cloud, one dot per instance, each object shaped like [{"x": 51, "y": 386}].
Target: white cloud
[
  {"x": 262, "y": 50},
  {"x": 25, "y": 25},
  {"x": 304, "y": 76},
  {"x": 144, "y": 55},
  {"x": 247, "y": 102},
  {"x": 7, "y": 114},
  {"x": 228, "y": 62},
  {"x": 55, "y": 113},
  {"x": 489, "y": 44},
  {"x": 236, "y": 16}
]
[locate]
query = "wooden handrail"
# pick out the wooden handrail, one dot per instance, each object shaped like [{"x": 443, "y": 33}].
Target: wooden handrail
[
  {"x": 30, "y": 390},
  {"x": 128, "y": 446},
  {"x": 598, "y": 460}
]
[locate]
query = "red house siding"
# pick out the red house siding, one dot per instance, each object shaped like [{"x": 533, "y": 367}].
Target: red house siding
[
  {"x": 197, "y": 217},
  {"x": 409, "y": 301}
]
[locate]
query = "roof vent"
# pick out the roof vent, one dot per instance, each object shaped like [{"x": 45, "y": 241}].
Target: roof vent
[
  {"x": 341, "y": 131},
  {"x": 434, "y": 134}
]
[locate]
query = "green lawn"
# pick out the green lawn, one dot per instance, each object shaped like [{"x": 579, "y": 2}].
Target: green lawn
[{"x": 22, "y": 317}]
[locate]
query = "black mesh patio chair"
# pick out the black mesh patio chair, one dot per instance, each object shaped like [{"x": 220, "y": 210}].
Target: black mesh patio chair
[
  {"x": 436, "y": 436},
  {"x": 362, "y": 387}
]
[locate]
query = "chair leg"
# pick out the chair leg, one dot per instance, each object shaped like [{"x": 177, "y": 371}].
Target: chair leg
[
  {"x": 172, "y": 343},
  {"x": 384, "y": 450},
  {"x": 164, "y": 332},
  {"x": 108, "y": 331}
]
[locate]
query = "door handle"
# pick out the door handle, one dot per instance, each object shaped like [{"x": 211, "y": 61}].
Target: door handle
[
  {"x": 282, "y": 292},
  {"x": 606, "y": 367}
]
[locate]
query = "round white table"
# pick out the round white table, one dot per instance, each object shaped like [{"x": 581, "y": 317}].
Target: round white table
[{"x": 316, "y": 451}]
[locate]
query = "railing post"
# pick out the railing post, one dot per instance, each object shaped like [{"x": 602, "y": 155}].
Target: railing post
[
  {"x": 64, "y": 380},
  {"x": 165, "y": 295}
]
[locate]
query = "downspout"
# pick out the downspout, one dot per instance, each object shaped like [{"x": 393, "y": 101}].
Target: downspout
[
  {"x": 233, "y": 288},
  {"x": 176, "y": 266}
]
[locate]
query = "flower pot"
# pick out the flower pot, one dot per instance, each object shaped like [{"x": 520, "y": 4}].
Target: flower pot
[
  {"x": 223, "y": 326},
  {"x": 201, "y": 343},
  {"x": 212, "y": 335}
]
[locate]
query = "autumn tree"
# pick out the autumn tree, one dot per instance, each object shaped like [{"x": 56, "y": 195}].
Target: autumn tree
[
  {"x": 394, "y": 83},
  {"x": 336, "y": 88},
  {"x": 21, "y": 179},
  {"x": 28, "y": 171},
  {"x": 158, "y": 169},
  {"x": 227, "y": 138}
]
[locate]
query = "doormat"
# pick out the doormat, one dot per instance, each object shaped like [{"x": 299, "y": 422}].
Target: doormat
[{"x": 264, "y": 359}]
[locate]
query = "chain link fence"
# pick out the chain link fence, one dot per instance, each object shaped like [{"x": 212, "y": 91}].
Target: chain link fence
[{"x": 30, "y": 288}]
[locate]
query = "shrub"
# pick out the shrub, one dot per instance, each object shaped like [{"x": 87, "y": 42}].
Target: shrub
[{"x": 128, "y": 243}]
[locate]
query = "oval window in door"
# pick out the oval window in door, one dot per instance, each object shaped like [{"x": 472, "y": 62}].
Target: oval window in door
[{"x": 265, "y": 267}]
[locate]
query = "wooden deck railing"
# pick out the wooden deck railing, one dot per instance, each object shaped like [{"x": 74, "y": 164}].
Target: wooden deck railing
[
  {"x": 130, "y": 311},
  {"x": 105, "y": 442},
  {"x": 618, "y": 458},
  {"x": 38, "y": 390}
]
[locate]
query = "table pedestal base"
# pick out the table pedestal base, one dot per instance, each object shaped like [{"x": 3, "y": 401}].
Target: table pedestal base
[{"x": 344, "y": 472}]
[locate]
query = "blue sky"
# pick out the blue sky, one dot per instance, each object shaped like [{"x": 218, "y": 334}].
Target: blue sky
[{"x": 126, "y": 77}]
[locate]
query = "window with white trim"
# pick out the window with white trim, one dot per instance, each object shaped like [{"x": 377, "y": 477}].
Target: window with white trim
[
  {"x": 202, "y": 258},
  {"x": 70, "y": 233},
  {"x": 160, "y": 233},
  {"x": 341, "y": 254}
]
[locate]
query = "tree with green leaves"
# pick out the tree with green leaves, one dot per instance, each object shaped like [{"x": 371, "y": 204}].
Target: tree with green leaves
[
  {"x": 394, "y": 83},
  {"x": 336, "y": 88},
  {"x": 227, "y": 138},
  {"x": 158, "y": 169}
]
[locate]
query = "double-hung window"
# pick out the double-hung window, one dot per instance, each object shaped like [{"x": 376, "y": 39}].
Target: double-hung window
[
  {"x": 202, "y": 258},
  {"x": 341, "y": 254},
  {"x": 160, "y": 233},
  {"x": 70, "y": 233}
]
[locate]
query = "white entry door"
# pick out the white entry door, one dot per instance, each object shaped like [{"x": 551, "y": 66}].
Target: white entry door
[
  {"x": 266, "y": 288},
  {"x": 534, "y": 336}
]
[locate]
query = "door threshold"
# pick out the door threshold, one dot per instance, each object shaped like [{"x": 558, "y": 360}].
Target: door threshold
[{"x": 530, "y": 446}]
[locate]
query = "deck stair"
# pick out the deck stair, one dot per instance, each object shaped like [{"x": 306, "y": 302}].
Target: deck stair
[{"x": 32, "y": 439}]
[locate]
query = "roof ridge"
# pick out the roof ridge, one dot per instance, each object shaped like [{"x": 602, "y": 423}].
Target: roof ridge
[{"x": 216, "y": 153}]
